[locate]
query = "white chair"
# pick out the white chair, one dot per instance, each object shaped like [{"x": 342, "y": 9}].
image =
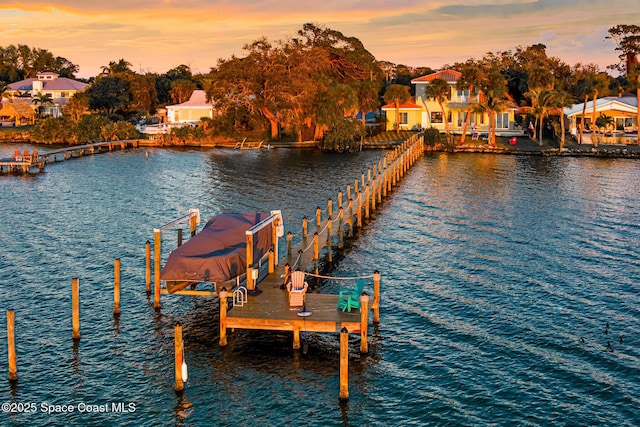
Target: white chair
[{"x": 297, "y": 288}]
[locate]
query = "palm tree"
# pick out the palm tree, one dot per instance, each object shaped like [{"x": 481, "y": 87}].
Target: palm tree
[
  {"x": 42, "y": 100},
  {"x": 439, "y": 90},
  {"x": 534, "y": 95},
  {"x": 396, "y": 95},
  {"x": 562, "y": 99},
  {"x": 494, "y": 100},
  {"x": 472, "y": 75}
]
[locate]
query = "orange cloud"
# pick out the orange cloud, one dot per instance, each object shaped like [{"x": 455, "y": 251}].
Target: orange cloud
[{"x": 157, "y": 36}]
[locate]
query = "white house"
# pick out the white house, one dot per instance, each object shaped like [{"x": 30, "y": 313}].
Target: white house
[{"x": 60, "y": 89}]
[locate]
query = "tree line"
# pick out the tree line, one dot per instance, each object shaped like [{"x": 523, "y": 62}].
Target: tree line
[{"x": 311, "y": 86}]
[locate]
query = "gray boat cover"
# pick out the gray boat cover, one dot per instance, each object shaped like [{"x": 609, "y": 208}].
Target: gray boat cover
[{"x": 218, "y": 252}]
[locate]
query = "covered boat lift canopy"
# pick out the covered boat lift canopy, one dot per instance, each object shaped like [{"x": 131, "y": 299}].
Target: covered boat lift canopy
[{"x": 224, "y": 250}]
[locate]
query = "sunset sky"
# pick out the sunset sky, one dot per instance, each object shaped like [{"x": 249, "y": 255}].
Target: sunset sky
[{"x": 157, "y": 35}]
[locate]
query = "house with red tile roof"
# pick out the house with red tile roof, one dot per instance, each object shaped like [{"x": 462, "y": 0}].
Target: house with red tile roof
[
  {"x": 60, "y": 89},
  {"x": 424, "y": 112},
  {"x": 409, "y": 116}
]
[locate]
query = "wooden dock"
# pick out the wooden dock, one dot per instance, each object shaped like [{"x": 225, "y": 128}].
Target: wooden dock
[
  {"x": 34, "y": 162},
  {"x": 260, "y": 303}
]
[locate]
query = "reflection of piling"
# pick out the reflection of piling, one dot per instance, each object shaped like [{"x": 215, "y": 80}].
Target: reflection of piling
[
  {"x": 75, "y": 308},
  {"x": 11, "y": 344}
]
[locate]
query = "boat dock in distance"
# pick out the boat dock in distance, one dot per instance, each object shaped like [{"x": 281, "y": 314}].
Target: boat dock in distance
[{"x": 34, "y": 162}]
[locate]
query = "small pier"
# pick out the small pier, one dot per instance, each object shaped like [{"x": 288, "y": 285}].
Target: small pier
[
  {"x": 34, "y": 162},
  {"x": 261, "y": 303}
]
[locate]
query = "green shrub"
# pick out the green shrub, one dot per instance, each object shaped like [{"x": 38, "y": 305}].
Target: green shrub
[{"x": 432, "y": 136}]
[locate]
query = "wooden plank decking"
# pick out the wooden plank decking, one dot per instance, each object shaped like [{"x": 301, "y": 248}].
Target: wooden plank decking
[{"x": 35, "y": 162}]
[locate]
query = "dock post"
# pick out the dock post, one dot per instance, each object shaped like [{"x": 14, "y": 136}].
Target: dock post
[
  {"x": 289, "y": 237},
  {"x": 366, "y": 202},
  {"x": 11, "y": 344},
  {"x": 316, "y": 251},
  {"x": 329, "y": 227},
  {"x": 193, "y": 223},
  {"x": 340, "y": 228},
  {"x": 339, "y": 199},
  {"x": 350, "y": 218},
  {"x": 359, "y": 213},
  {"x": 179, "y": 237},
  {"x": 318, "y": 218},
  {"x": 75, "y": 308},
  {"x": 355, "y": 185},
  {"x": 376, "y": 297},
  {"x": 373, "y": 195},
  {"x": 344, "y": 364},
  {"x": 148, "y": 266},
  {"x": 296, "y": 335},
  {"x": 364, "y": 323},
  {"x": 223, "y": 317},
  {"x": 329, "y": 207},
  {"x": 272, "y": 261},
  {"x": 251, "y": 283},
  {"x": 287, "y": 274},
  {"x": 178, "y": 357},
  {"x": 348, "y": 192},
  {"x": 157, "y": 247},
  {"x": 304, "y": 226},
  {"x": 116, "y": 287}
]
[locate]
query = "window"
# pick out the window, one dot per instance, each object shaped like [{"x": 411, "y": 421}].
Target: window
[
  {"x": 404, "y": 118},
  {"x": 64, "y": 94},
  {"x": 436, "y": 117},
  {"x": 449, "y": 117},
  {"x": 502, "y": 120}
]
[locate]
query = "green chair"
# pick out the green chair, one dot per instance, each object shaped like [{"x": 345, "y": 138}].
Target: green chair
[{"x": 351, "y": 299}]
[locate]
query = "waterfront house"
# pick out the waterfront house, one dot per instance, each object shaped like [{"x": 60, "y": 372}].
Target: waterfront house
[
  {"x": 409, "y": 115},
  {"x": 425, "y": 112},
  {"x": 59, "y": 89},
  {"x": 621, "y": 113},
  {"x": 192, "y": 110}
]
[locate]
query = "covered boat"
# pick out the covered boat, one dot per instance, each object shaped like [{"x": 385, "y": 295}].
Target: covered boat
[{"x": 218, "y": 253}]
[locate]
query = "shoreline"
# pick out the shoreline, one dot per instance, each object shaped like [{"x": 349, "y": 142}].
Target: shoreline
[{"x": 524, "y": 147}]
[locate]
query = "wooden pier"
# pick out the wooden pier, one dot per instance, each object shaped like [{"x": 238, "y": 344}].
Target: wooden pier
[
  {"x": 261, "y": 303},
  {"x": 34, "y": 162}
]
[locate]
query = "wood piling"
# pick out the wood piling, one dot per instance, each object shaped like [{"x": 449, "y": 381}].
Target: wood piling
[
  {"x": 376, "y": 297},
  {"x": 178, "y": 357},
  {"x": 157, "y": 246},
  {"x": 223, "y": 318},
  {"x": 75, "y": 308},
  {"x": 148, "y": 267},
  {"x": 11, "y": 345},
  {"x": 116, "y": 287},
  {"x": 344, "y": 364},
  {"x": 364, "y": 322}
]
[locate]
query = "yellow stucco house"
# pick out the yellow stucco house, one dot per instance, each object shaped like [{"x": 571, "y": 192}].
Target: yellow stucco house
[
  {"x": 192, "y": 110},
  {"x": 423, "y": 112}
]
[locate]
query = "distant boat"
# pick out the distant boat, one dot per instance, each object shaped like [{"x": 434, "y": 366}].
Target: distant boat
[{"x": 218, "y": 253}]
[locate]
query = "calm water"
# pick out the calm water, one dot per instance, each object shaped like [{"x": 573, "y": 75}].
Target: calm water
[{"x": 499, "y": 276}]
